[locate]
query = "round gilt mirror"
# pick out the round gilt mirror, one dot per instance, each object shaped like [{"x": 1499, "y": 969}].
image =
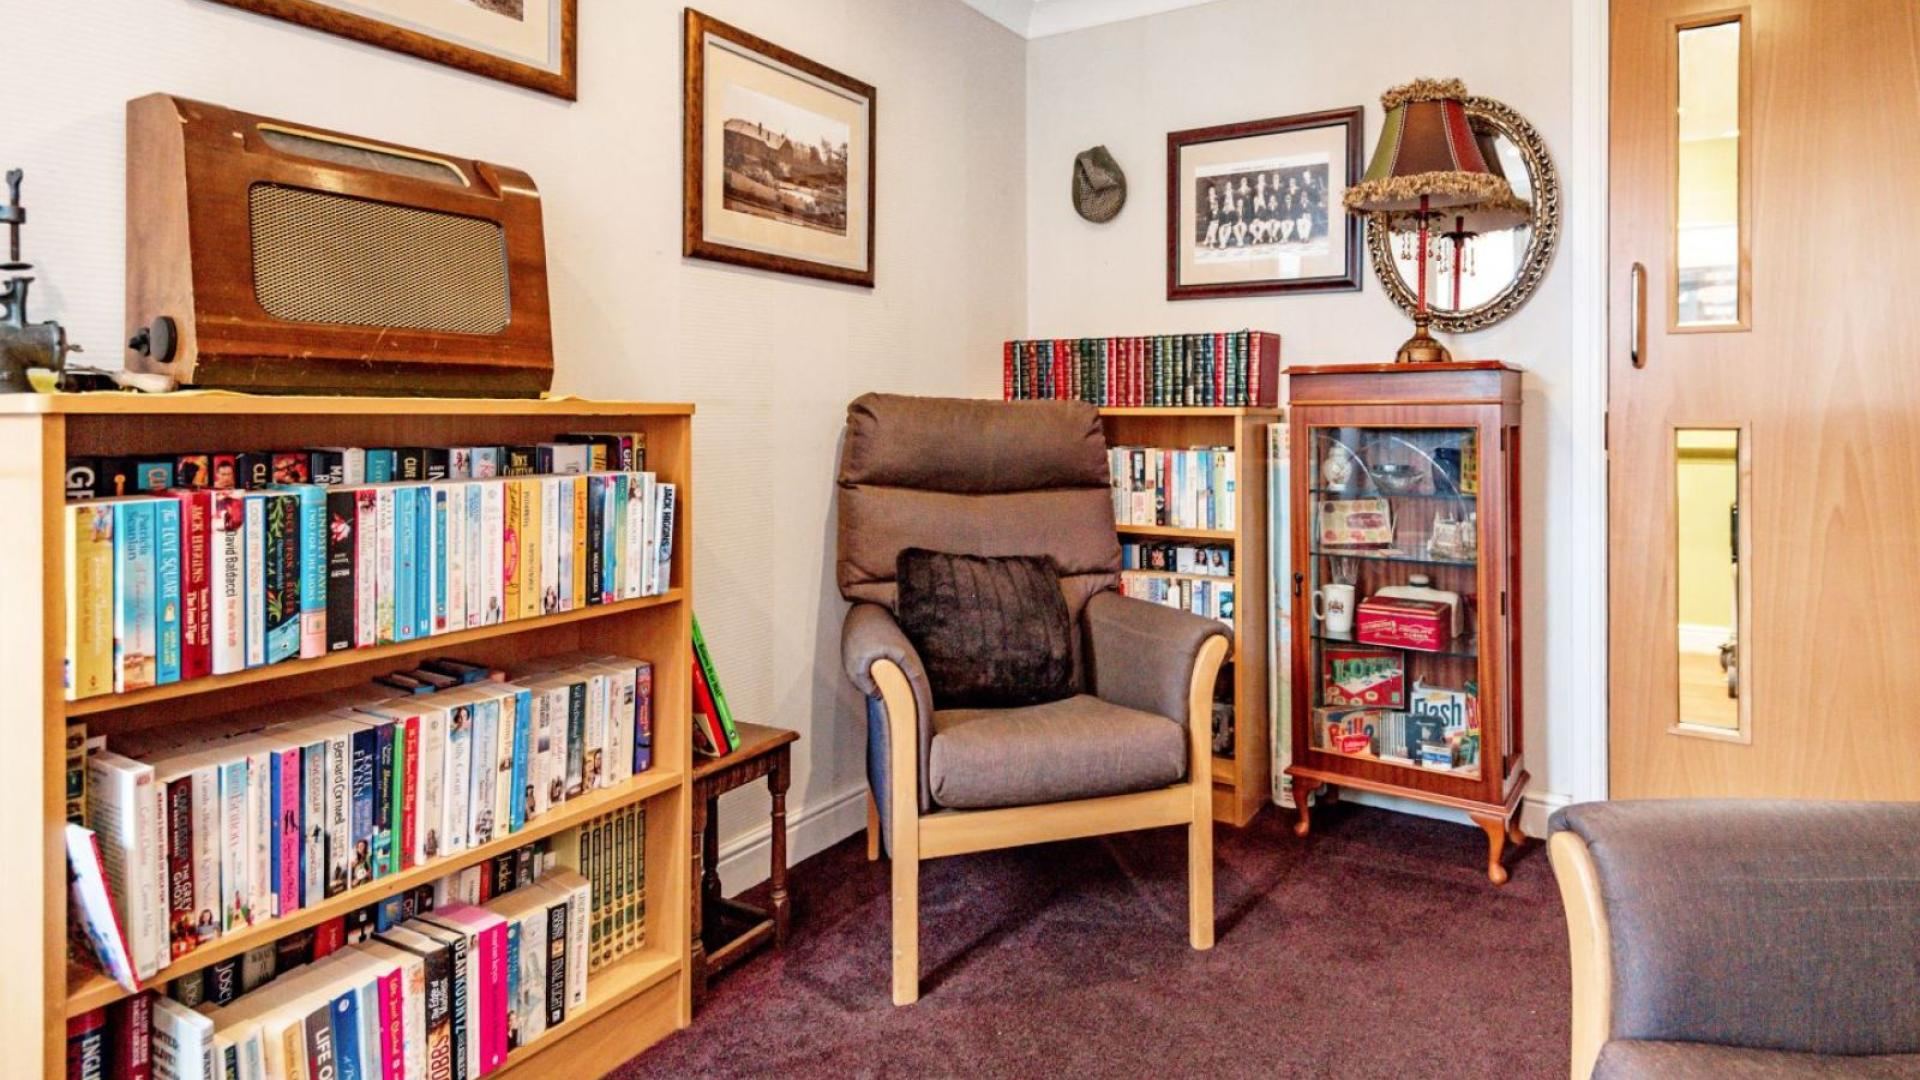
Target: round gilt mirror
[{"x": 1497, "y": 270}]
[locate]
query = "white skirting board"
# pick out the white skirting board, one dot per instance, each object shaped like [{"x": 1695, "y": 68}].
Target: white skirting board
[
  {"x": 1535, "y": 809},
  {"x": 810, "y": 830}
]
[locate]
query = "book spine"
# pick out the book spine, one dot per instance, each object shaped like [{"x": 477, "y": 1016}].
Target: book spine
[
  {"x": 406, "y": 574},
  {"x": 725, "y": 713},
  {"x": 423, "y": 563},
  {"x": 641, "y": 549},
  {"x": 311, "y": 506},
  {"x": 346, "y": 1036},
  {"x": 392, "y": 1027},
  {"x": 493, "y": 550},
  {"x": 283, "y": 579},
  {"x": 642, "y": 717},
  {"x": 520, "y": 785},
  {"x": 339, "y": 812},
  {"x": 549, "y": 536},
  {"x": 380, "y": 854},
  {"x": 254, "y": 584},
  {"x": 183, "y": 934},
  {"x": 290, "y": 823},
  {"x": 235, "y": 893},
  {"x": 384, "y": 565},
  {"x": 313, "y": 820},
  {"x": 343, "y": 544},
  {"x": 556, "y": 990},
  {"x": 87, "y": 1045},
  {"x": 486, "y": 762},
  {"x": 663, "y": 525},
  {"x": 460, "y": 1011},
  {"x": 531, "y": 583},
  {"x": 596, "y": 538},
  {"x": 90, "y": 601},
  {"x": 514, "y": 547},
  {"x": 577, "y": 535},
  {"x": 459, "y": 776},
  {"x": 475, "y": 555},
  {"x": 454, "y": 498},
  {"x": 431, "y": 771},
  {"x": 196, "y": 584},
  {"x": 133, "y": 587},
  {"x": 366, "y": 754},
  {"x": 408, "y": 733},
  {"x": 206, "y": 854},
  {"x": 576, "y": 739},
  {"x": 260, "y": 832}
]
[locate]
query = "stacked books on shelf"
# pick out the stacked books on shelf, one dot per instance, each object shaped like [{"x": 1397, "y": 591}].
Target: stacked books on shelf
[
  {"x": 442, "y": 980},
  {"x": 206, "y": 831},
  {"x": 1237, "y": 368},
  {"x": 1211, "y": 560},
  {"x": 1192, "y": 577},
  {"x": 207, "y": 564},
  {"x": 1189, "y": 489}
]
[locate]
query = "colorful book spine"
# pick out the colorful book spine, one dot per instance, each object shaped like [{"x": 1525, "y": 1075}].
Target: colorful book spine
[
  {"x": 255, "y": 590},
  {"x": 90, "y": 663},
  {"x": 423, "y": 562},
  {"x": 342, "y": 547},
  {"x": 385, "y": 556},
  {"x": 313, "y": 547},
  {"x": 196, "y": 584},
  {"x": 283, "y": 577},
  {"x": 167, "y": 581},
  {"x": 133, "y": 595},
  {"x": 406, "y": 554}
]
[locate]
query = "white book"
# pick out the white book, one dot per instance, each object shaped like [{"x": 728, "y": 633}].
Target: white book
[
  {"x": 550, "y": 544},
  {"x": 540, "y": 751},
  {"x": 432, "y": 541},
  {"x": 383, "y": 565},
  {"x": 620, "y": 714},
  {"x": 123, "y": 812},
  {"x": 256, "y": 577},
  {"x": 260, "y": 834},
  {"x": 564, "y": 487},
  {"x": 568, "y": 885},
  {"x": 182, "y": 1042},
  {"x": 526, "y": 910},
  {"x": 313, "y": 838},
  {"x": 366, "y": 584},
  {"x": 413, "y": 999},
  {"x": 459, "y": 776},
  {"x": 507, "y": 705},
  {"x": 664, "y": 513},
  {"x": 475, "y": 575},
  {"x": 492, "y": 544},
  {"x": 634, "y": 561},
  {"x": 430, "y": 783},
  {"x": 228, "y": 580},
  {"x": 455, "y": 495},
  {"x": 595, "y": 761},
  {"x": 95, "y": 913},
  {"x": 486, "y": 760}
]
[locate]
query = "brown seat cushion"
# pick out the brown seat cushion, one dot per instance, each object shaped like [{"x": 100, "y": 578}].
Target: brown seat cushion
[
  {"x": 991, "y": 632},
  {"x": 1076, "y": 748},
  {"x": 1633, "y": 1059}
]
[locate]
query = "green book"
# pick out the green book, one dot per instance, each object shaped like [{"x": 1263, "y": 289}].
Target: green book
[{"x": 713, "y": 683}]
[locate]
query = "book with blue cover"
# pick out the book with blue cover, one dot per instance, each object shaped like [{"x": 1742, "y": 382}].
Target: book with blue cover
[
  {"x": 522, "y": 777},
  {"x": 166, "y": 559},
  {"x": 406, "y": 554},
  {"x": 133, "y": 595},
  {"x": 312, "y": 542},
  {"x": 281, "y": 560},
  {"x": 385, "y": 813},
  {"x": 365, "y": 755},
  {"x": 439, "y": 559},
  {"x": 346, "y": 1037},
  {"x": 380, "y": 466},
  {"x": 424, "y": 568}
]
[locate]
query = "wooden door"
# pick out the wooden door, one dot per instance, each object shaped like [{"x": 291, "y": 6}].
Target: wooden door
[{"x": 1764, "y": 399}]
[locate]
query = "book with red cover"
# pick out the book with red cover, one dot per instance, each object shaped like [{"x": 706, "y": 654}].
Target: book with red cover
[
  {"x": 709, "y": 738},
  {"x": 130, "y": 1033},
  {"x": 196, "y": 584},
  {"x": 87, "y": 1045}
]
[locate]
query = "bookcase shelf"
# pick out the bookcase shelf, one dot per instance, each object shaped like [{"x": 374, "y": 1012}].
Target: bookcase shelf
[
  {"x": 632, "y": 1001},
  {"x": 384, "y": 657},
  {"x": 94, "y": 989},
  {"x": 1241, "y": 779}
]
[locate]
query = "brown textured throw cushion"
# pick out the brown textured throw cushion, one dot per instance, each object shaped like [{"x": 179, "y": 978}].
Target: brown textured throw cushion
[{"x": 991, "y": 632}]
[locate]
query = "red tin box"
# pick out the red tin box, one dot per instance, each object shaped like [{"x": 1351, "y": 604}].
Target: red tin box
[{"x": 1425, "y": 625}]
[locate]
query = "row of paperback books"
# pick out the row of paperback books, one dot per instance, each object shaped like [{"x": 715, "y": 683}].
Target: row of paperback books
[
  {"x": 194, "y": 834},
  {"x": 110, "y": 476},
  {"x": 186, "y": 583},
  {"x": 1188, "y": 489},
  {"x": 1238, "y": 368},
  {"x": 1215, "y": 560},
  {"x": 1201, "y": 595},
  {"x": 431, "y": 984}
]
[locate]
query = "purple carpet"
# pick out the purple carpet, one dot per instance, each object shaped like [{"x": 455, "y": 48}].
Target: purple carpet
[{"x": 1374, "y": 948}]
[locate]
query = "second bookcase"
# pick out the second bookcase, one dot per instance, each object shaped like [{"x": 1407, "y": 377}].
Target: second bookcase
[{"x": 1241, "y": 778}]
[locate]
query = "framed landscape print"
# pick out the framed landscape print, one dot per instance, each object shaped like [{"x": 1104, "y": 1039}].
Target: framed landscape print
[
  {"x": 526, "y": 42},
  {"x": 1254, "y": 208},
  {"x": 779, "y": 158}
]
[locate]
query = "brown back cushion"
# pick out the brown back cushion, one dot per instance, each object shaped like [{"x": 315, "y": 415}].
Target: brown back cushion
[
  {"x": 974, "y": 477},
  {"x": 994, "y": 633}
]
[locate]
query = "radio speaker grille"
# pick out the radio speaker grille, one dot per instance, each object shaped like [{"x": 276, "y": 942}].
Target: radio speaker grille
[{"x": 325, "y": 258}]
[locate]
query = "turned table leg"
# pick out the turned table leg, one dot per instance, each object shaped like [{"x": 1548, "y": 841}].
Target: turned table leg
[
  {"x": 1496, "y": 830},
  {"x": 697, "y": 957},
  {"x": 777, "y": 785}
]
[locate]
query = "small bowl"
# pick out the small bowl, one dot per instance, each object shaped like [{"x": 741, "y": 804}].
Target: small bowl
[{"x": 1396, "y": 479}]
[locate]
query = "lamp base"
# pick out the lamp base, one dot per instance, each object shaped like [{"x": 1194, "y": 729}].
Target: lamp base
[{"x": 1422, "y": 348}]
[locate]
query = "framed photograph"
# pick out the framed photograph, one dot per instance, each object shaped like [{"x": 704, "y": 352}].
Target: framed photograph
[
  {"x": 1254, "y": 208},
  {"x": 526, "y": 42},
  {"x": 779, "y": 158}
]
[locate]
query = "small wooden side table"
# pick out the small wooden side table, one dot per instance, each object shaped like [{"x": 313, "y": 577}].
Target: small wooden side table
[{"x": 725, "y": 931}]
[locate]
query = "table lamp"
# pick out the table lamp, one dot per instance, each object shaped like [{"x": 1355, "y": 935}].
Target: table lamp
[{"x": 1428, "y": 161}]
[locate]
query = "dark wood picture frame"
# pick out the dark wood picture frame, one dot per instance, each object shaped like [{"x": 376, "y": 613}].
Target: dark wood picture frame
[
  {"x": 694, "y": 243},
  {"x": 373, "y": 31},
  {"x": 1347, "y": 281}
]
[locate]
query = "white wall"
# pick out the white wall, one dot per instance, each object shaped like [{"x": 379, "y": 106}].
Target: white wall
[
  {"x": 771, "y": 361},
  {"x": 1128, "y": 84}
]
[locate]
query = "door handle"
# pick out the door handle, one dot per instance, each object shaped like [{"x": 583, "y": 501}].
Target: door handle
[{"x": 1637, "y": 316}]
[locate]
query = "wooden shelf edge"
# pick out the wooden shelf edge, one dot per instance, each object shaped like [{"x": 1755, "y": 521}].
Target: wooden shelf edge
[
  {"x": 1220, "y": 535},
  {"x": 1222, "y": 411},
  {"x": 89, "y": 989},
  {"x": 227, "y": 402},
  {"x": 350, "y": 657},
  {"x": 608, "y": 988}
]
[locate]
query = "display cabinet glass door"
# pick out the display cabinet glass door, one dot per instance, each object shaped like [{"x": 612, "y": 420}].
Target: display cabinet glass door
[{"x": 1392, "y": 580}]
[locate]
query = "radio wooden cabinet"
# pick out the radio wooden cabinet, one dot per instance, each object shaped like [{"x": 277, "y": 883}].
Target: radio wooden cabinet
[{"x": 1406, "y": 584}]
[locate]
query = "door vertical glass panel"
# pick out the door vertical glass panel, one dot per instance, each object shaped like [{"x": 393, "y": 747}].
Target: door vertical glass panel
[
  {"x": 1393, "y": 573},
  {"x": 1709, "y": 242}
]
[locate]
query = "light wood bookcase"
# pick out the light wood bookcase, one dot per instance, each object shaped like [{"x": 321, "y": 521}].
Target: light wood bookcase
[
  {"x": 1241, "y": 780},
  {"x": 631, "y": 1002}
]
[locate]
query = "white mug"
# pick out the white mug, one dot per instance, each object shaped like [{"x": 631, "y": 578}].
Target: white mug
[{"x": 1333, "y": 605}]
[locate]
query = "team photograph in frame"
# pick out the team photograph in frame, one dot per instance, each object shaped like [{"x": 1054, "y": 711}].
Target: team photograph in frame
[
  {"x": 779, "y": 168},
  {"x": 1254, "y": 208}
]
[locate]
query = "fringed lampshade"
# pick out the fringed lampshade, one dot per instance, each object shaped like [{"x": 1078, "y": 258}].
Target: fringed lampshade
[{"x": 1428, "y": 160}]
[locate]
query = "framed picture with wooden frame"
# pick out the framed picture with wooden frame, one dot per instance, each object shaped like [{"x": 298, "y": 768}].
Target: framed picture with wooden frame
[
  {"x": 529, "y": 43},
  {"x": 779, "y": 158},
  {"x": 1253, "y": 209}
]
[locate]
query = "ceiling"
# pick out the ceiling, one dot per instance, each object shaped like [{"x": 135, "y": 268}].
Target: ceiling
[{"x": 1042, "y": 18}]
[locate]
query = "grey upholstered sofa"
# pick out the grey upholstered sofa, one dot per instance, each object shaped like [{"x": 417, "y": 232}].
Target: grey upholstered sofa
[
  {"x": 1131, "y": 750},
  {"x": 1742, "y": 939}
]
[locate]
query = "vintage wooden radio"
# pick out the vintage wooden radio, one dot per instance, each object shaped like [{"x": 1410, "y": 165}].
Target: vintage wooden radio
[{"x": 279, "y": 258}]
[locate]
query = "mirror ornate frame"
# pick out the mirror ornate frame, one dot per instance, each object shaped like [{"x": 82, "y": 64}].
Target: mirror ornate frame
[{"x": 1540, "y": 245}]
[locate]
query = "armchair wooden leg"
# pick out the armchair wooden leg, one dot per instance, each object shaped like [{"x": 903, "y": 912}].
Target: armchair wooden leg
[
  {"x": 903, "y": 759},
  {"x": 873, "y": 828},
  {"x": 1206, "y": 669}
]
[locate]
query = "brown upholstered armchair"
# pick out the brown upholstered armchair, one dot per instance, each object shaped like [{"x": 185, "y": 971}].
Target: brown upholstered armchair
[
  {"x": 1723, "y": 938},
  {"x": 1130, "y": 751}
]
